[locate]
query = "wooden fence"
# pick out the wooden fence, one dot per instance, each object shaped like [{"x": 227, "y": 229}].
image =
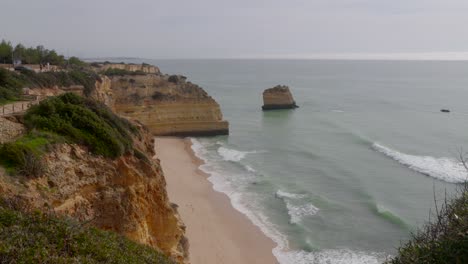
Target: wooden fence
[{"x": 15, "y": 108}]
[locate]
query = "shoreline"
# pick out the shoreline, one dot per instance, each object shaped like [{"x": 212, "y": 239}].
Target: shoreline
[{"x": 216, "y": 231}]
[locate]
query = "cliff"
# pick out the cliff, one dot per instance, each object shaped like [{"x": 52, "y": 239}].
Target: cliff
[
  {"x": 167, "y": 105},
  {"x": 143, "y": 68},
  {"x": 278, "y": 97},
  {"x": 126, "y": 194}
]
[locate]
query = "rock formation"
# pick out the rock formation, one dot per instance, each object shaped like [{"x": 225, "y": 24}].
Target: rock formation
[
  {"x": 167, "y": 105},
  {"x": 127, "y": 195},
  {"x": 278, "y": 97},
  {"x": 144, "y": 68}
]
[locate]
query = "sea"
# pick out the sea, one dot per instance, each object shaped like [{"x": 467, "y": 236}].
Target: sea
[{"x": 347, "y": 176}]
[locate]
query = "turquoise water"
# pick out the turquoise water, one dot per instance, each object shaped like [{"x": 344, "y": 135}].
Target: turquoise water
[{"x": 345, "y": 177}]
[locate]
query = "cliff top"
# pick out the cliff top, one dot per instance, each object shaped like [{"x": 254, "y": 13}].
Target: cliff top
[
  {"x": 277, "y": 89},
  {"x": 108, "y": 68}
]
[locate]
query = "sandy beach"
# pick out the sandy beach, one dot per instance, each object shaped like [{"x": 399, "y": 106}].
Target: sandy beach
[{"x": 217, "y": 233}]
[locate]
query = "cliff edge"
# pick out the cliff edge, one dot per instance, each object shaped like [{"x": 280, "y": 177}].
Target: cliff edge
[
  {"x": 80, "y": 160},
  {"x": 168, "y": 105}
]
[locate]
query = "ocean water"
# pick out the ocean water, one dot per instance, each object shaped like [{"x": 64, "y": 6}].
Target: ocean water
[{"x": 345, "y": 177}]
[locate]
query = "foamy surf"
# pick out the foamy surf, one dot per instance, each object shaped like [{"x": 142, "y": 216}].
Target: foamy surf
[
  {"x": 330, "y": 256},
  {"x": 445, "y": 169},
  {"x": 282, "y": 252},
  {"x": 297, "y": 208},
  {"x": 233, "y": 154}
]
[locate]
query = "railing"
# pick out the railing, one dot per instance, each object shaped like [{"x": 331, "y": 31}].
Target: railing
[{"x": 14, "y": 108}]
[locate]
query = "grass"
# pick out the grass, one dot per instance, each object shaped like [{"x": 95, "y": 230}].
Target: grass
[
  {"x": 23, "y": 155},
  {"x": 36, "y": 237}
]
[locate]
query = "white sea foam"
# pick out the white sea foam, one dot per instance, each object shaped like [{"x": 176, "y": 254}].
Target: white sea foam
[
  {"x": 283, "y": 194},
  {"x": 249, "y": 169},
  {"x": 446, "y": 169},
  {"x": 297, "y": 212},
  {"x": 329, "y": 256},
  {"x": 282, "y": 252},
  {"x": 233, "y": 154},
  {"x": 297, "y": 209}
]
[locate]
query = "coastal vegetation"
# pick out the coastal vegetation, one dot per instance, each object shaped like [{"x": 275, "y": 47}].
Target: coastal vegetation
[
  {"x": 67, "y": 118},
  {"x": 444, "y": 239},
  {"x": 33, "y": 55},
  {"x": 11, "y": 83},
  {"x": 28, "y": 236}
]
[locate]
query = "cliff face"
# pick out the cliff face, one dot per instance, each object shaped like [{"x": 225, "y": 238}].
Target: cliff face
[
  {"x": 127, "y": 195},
  {"x": 278, "y": 97},
  {"x": 145, "y": 68},
  {"x": 167, "y": 105}
]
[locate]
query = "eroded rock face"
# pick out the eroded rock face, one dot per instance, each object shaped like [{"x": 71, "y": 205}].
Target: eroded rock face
[
  {"x": 10, "y": 129},
  {"x": 127, "y": 195},
  {"x": 278, "y": 97},
  {"x": 145, "y": 68},
  {"x": 167, "y": 105}
]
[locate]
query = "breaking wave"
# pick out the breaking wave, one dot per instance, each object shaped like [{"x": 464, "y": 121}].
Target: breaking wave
[
  {"x": 282, "y": 252},
  {"x": 445, "y": 169},
  {"x": 233, "y": 154},
  {"x": 297, "y": 209}
]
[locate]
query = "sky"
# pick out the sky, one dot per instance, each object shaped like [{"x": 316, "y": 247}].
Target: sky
[{"x": 156, "y": 29}]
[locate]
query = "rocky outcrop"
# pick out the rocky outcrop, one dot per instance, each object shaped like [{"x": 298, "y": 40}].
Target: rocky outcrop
[
  {"x": 167, "y": 105},
  {"x": 45, "y": 92},
  {"x": 10, "y": 129},
  {"x": 143, "y": 68},
  {"x": 278, "y": 97},
  {"x": 126, "y": 195}
]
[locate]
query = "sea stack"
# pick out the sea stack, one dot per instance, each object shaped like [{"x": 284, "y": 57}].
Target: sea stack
[{"x": 278, "y": 97}]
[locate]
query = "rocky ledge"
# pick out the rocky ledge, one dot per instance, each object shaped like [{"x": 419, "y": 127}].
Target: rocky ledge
[
  {"x": 168, "y": 105},
  {"x": 278, "y": 97}
]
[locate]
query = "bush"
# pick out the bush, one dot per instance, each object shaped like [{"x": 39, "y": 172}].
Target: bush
[
  {"x": 82, "y": 121},
  {"x": 23, "y": 156},
  {"x": 36, "y": 237},
  {"x": 445, "y": 240}
]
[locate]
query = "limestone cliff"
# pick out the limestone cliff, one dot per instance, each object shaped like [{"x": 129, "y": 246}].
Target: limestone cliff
[
  {"x": 127, "y": 195},
  {"x": 167, "y": 105},
  {"x": 143, "y": 68},
  {"x": 278, "y": 97}
]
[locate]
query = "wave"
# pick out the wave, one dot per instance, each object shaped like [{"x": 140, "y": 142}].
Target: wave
[
  {"x": 233, "y": 154},
  {"x": 282, "y": 251},
  {"x": 335, "y": 256},
  {"x": 444, "y": 169},
  {"x": 282, "y": 194},
  {"x": 297, "y": 209},
  {"x": 389, "y": 216}
]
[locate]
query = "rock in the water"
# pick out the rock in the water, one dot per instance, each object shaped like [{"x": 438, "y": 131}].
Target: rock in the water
[{"x": 278, "y": 97}]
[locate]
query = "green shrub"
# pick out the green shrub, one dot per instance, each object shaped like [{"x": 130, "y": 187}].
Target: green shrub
[
  {"x": 444, "y": 240},
  {"x": 36, "y": 237},
  {"x": 23, "y": 156},
  {"x": 82, "y": 121}
]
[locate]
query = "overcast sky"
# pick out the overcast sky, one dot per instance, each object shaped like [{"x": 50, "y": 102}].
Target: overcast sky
[{"x": 241, "y": 28}]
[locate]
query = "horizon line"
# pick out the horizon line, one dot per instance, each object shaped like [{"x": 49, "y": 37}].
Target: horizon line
[{"x": 396, "y": 56}]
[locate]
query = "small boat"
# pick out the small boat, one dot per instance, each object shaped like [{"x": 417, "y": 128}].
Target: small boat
[{"x": 445, "y": 110}]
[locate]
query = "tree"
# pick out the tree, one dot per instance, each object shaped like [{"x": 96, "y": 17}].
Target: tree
[{"x": 5, "y": 52}]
